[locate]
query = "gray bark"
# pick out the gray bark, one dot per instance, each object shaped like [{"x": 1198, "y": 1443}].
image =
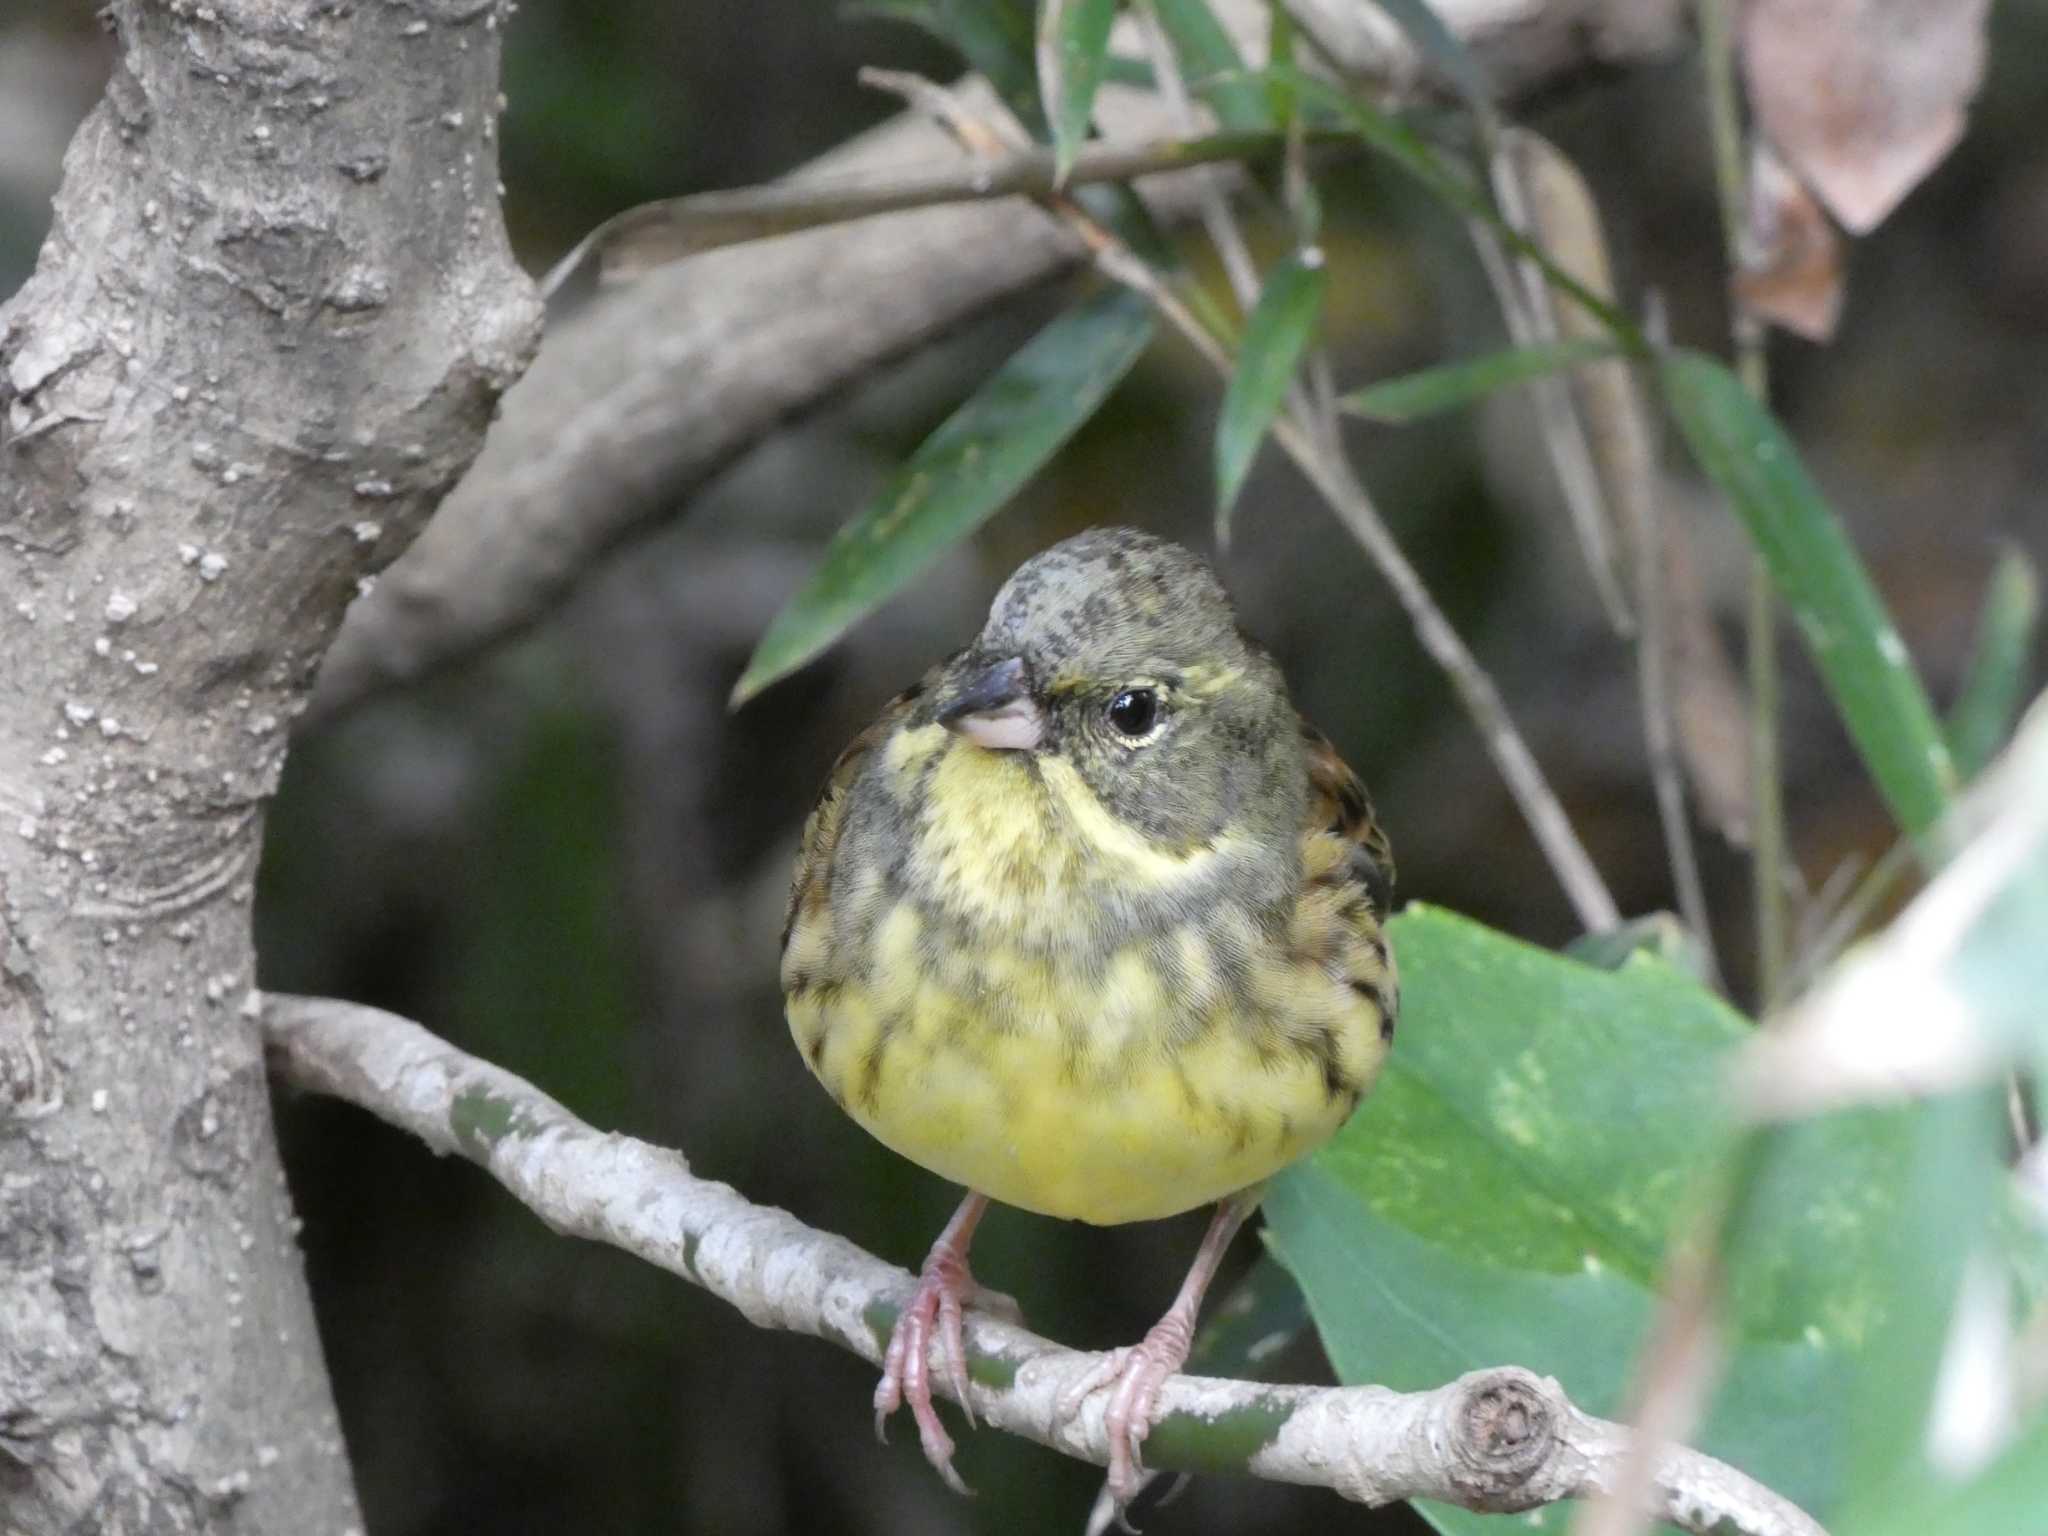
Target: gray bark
[{"x": 263, "y": 341}]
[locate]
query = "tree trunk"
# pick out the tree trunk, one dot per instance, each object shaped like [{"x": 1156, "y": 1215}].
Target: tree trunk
[{"x": 264, "y": 338}]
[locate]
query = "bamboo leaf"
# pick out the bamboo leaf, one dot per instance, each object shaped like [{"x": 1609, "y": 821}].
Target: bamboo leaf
[
  {"x": 1214, "y": 68},
  {"x": 1447, "y": 388},
  {"x": 1280, "y": 34},
  {"x": 1280, "y": 328},
  {"x": 1997, "y": 678},
  {"x": 1815, "y": 568},
  {"x": 1073, "y": 51},
  {"x": 960, "y": 475},
  {"x": 1442, "y": 47}
]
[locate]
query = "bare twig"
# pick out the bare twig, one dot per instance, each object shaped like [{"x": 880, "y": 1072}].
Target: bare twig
[
  {"x": 1497, "y": 1440},
  {"x": 1653, "y": 681},
  {"x": 1511, "y": 756}
]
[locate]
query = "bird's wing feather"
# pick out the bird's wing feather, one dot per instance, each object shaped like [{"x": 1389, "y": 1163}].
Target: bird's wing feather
[
  {"x": 1337, "y": 803},
  {"x": 1348, "y": 883}
]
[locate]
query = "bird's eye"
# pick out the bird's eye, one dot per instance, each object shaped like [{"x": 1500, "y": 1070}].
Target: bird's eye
[{"x": 1134, "y": 711}]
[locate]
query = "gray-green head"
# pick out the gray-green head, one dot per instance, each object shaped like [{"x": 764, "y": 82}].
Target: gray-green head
[{"x": 1119, "y": 653}]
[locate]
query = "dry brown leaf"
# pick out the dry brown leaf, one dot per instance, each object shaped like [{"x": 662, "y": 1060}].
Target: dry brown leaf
[
  {"x": 1791, "y": 271},
  {"x": 1542, "y": 194},
  {"x": 1707, "y": 701},
  {"x": 1863, "y": 97}
]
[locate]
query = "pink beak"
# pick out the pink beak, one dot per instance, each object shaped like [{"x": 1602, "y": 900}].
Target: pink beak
[{"x": 996, "y": 711}]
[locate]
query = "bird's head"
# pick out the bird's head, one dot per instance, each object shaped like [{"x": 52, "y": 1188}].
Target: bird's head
[{"x": 1118, "y": 654}]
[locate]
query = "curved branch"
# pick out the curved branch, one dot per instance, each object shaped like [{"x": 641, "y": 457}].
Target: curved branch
[
  {"x": 1497, "y": 1440},
  {"x": 656, "y": 389}
]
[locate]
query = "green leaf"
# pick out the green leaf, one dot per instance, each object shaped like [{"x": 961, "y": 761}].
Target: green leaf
[
  {"x": 1507, "y": 1193},
  {"x": 1954, "y": 1175},
  {"x": 1816, "y": 570},
  {"x": 1997, "y": 676},
  {"x": 1446, "y": 50},
  {"x": 1280, "y": 33},
  {"x": 959, "y": 476},
  {"x": 1447, "y": 388},
  {"x": 1073, "y": 47},
  {"x": 994, "y": 36},
  {"x": 1660, "y": 935},
  {"x": 1214, "y": 68},
  {"x": 1281, "y": 326},
  {"x": 2006, "y": 1497}
]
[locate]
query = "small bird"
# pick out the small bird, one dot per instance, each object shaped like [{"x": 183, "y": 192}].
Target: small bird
[{"x": 1089, "y": 922}]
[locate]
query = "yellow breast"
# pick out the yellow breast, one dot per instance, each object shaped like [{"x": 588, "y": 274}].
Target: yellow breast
[{"x": 999, "y": 1032}]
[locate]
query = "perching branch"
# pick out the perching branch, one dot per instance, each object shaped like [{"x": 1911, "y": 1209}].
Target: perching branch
[
  {"x": 658, "y": 388},
  {"x": 1498, "y": 1440}
]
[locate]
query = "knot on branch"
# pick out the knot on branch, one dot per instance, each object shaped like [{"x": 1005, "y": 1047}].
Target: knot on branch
[{"x": 1503, "y": 1430}]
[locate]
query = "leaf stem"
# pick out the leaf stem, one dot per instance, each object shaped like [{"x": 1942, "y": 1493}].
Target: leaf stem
[{"x": 1769, "y": 864}]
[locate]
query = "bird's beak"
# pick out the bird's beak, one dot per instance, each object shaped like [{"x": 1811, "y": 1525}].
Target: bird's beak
[{"x": 994, "y": 709}]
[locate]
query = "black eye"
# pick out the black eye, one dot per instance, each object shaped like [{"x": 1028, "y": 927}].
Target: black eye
[{"x": 1134, "y": 711}]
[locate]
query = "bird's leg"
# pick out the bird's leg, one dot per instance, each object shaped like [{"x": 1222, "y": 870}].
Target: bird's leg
[
  {"x": 943, "y": 1287},
  {"x": 1139, "y": 1371}
]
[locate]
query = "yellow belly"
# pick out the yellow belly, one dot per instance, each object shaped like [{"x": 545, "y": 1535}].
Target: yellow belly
[
  {"x": 1005, "y": 1050},
  {"x": 1107, "y": 1102}
]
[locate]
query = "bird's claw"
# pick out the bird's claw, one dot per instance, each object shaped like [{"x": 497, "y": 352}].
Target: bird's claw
[
  {"x": 1134, "y": 1374},
  {"x": 937, "y": 1305}
]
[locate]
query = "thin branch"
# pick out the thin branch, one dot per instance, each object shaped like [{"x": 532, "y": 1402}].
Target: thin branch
[
  {"x": 1511, "y": 756},
  {"x": 1497, "y": 1440},
  {"x": 1653, "y": 685}
]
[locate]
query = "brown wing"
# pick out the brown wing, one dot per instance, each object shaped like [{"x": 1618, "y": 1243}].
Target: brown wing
[
  {"x": 1348, "y": 877},
  {"x": 1337, "y": 803},
  {"x": 808, "y": 886}
]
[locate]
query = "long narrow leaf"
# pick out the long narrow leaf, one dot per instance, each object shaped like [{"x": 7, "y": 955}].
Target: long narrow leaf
[
  {"x": 1281, "y": 326},
  {"x": 1447, "y": 388},
  {"x": 1997, "y": 679},
  {"x": 1214, "y": 68},
  {"x": 1815, "y": 568},
  {"x": 1073, "y": 51},
  {"x": 961, "y": 474},
  {"x": 1440, "y": 46}
]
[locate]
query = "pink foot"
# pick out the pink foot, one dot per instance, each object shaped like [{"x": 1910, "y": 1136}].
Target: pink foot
[
  {"x": 943, "y": 1290},
  {"x": 1135, "y": 1375}
]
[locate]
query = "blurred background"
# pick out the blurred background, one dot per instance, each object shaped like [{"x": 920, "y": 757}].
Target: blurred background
[{"x": 569, "y": 858}]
